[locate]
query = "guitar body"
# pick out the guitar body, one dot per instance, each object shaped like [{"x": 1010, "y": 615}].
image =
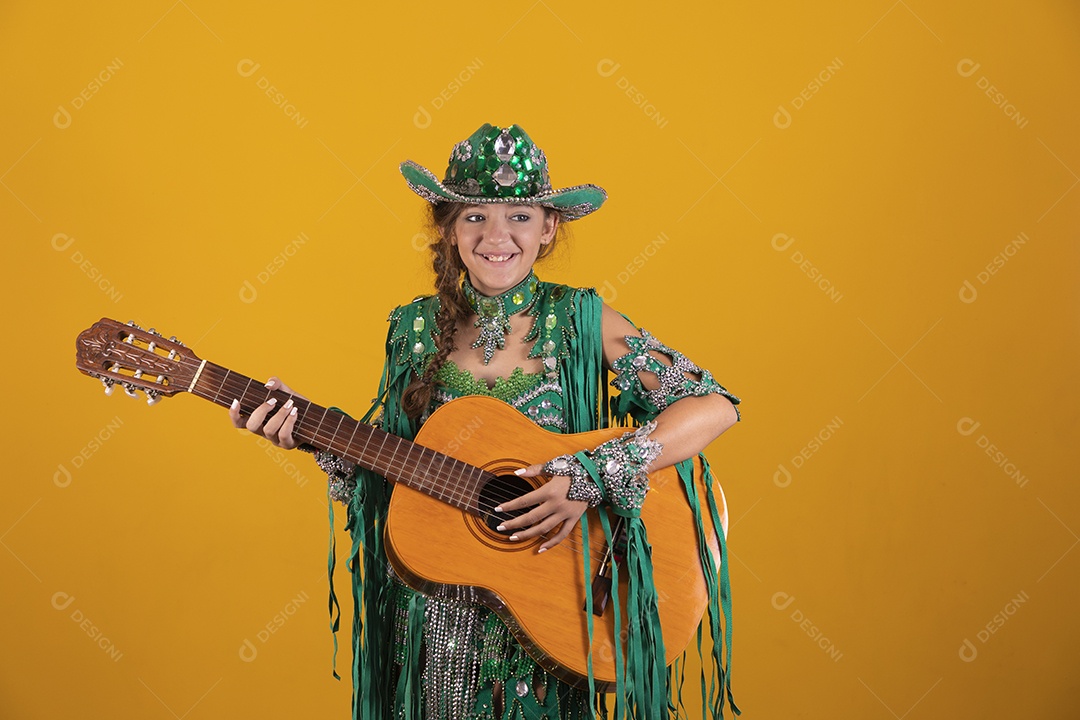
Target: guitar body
[{"x": 541, "y": 597}]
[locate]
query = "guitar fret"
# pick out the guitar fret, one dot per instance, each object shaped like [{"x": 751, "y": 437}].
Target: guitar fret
[
  {"x": 426, "y": 478},
  {"x": 446, "y": 477},
  {"x": 446, "y": 489},
  {"x": 431, "y": 476},
  {"x": 217, "y": 395},
  {"x": 438, "y": 481},
  {"x": 348, "y": 445},
  {"x": 408, "y": 467},
  {"x": 333, "y": 435},
  {"x": 411, "y": 468},
  {"x": 438, "y": 473},
  {"x": 453, "y": 486},
  {"x": 460, "y": 487},
  {"x": 393, "y": 456},
  {"x": 464, "y": 484},
  {"x": 471, "y": 486},
  {"x": 319, "y": 426},
  {"x": 367, "y": 443},
  {"x": 379, "y": 452},
  {"x": 419, "y": 472},
  {"x": 300, "y": 429}
]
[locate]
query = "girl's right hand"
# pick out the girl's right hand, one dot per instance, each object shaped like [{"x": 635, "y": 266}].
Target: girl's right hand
[{"x": 279, "y": 428}]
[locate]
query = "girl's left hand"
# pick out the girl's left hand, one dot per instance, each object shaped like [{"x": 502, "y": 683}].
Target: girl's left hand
[{"x": 551, "y": 508}]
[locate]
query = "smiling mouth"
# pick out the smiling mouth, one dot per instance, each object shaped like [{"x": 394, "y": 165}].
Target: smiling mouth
[{"x": 499, "y": 258}]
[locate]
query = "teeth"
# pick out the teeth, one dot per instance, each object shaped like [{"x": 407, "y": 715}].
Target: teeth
[{"x": 497, "y": 258}]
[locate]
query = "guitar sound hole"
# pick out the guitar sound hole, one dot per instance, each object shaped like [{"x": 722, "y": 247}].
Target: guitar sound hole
[{"x": 498, "y": 491}]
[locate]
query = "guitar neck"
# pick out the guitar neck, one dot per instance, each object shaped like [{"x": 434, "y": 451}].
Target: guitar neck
[{"x": 395, "y": 458}]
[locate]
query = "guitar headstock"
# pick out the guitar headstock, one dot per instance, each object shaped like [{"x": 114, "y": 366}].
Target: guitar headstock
[{"x": 136, "y": 359}]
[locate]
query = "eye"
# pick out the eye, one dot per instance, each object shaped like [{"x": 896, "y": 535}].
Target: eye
[
  {"x": 521, "y": 216},
  {"x": 474, "y": 217}
]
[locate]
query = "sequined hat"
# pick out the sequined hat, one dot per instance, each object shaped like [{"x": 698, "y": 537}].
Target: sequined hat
[{"x": 501, "y": 165}]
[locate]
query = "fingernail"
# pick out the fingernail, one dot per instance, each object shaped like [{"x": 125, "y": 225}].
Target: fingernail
[
  {"x": 272, "y": 401},
  {"x": 269, "y": 383},
  {"x": 288, "y": 403},
  {"x": 498, "y": 509},
  {"x": 513, "y": 538},
  {"x": 293, "y": 411},
  {"x": 520, "y": 471},
  {"x": 501, "y": 528},
  {"x": 235, "y": 404},
  {"x": 541, "y": 550}
]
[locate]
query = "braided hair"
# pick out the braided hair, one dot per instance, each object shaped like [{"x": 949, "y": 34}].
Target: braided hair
[{"x": 453, "y": 307}]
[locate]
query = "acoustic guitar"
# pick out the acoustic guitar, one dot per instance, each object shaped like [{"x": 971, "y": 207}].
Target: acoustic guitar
[{"x": 441, "y": 527}]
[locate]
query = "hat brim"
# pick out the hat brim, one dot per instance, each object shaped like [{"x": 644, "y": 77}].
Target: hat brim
[{"x": 574, "y": 202}]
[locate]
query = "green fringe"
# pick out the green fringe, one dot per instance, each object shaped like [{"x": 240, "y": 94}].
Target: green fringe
[
  {"x": 719, "y": 591},
  {"x": 645, "y": 644},
  {"x": 331, "y": 565}
]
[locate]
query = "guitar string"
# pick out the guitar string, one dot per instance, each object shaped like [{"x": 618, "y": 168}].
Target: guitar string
[
  {"x": 232, "y": 381},
  {"x": 456, "y": 487},
  {"x": 316, "y": 434},
  {"x": 571, "y": 542},
  {"x": 305, "y": 422}
]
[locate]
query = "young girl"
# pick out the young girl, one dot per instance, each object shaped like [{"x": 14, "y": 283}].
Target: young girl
[{"x": 493, "y": 328}]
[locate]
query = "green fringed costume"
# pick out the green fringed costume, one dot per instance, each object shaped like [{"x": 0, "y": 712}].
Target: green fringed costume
[{"x": 418, "y": 656}]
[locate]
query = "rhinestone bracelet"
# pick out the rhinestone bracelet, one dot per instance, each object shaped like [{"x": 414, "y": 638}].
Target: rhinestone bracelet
[
  {"x": 621, "y": 470},
  {"x": 582, "y": 485},
  {"x": 339, "y": 473}
]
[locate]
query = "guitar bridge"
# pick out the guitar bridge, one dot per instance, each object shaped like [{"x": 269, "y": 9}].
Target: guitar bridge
[{"x": 601, "y": 593}]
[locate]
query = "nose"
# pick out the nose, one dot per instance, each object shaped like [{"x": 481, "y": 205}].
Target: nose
[{"x": 498, "y": 229}]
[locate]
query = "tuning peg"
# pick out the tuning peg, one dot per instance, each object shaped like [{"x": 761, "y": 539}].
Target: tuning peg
[
  {"x": 152, "y": 331},
  {"x": 131, "y": 323},
  {"x": 108, "y": 385},
  {"x": 130, "y": 339},
  {"x": 130, "y": 390},
  {"x": 152, "y": 397}
]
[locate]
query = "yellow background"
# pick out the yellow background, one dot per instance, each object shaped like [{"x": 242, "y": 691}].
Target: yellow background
[{"x": 886, "y": 567}]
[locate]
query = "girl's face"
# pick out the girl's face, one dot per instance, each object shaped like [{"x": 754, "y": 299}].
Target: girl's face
[{"x": 499, "y": 243}]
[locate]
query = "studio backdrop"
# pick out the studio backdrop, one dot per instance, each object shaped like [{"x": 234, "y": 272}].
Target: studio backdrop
[{"x": 862, "y": 218}]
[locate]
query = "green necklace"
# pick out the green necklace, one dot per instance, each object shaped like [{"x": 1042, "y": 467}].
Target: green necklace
[{"x": 493, "y": 313}]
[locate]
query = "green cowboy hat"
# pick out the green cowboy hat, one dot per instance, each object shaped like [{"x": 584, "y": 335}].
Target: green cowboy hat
[{"x": 501, "y": 165}]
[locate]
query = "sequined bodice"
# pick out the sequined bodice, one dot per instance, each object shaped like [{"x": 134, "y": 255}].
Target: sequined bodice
[{"x": 536, "y": 395}]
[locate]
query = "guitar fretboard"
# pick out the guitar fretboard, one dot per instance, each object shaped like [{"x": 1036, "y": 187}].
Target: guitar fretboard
[{"x": 432, "y": 473}]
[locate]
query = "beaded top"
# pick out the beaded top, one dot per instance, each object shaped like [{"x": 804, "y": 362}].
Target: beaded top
[{"x": 536, "y": 395}]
